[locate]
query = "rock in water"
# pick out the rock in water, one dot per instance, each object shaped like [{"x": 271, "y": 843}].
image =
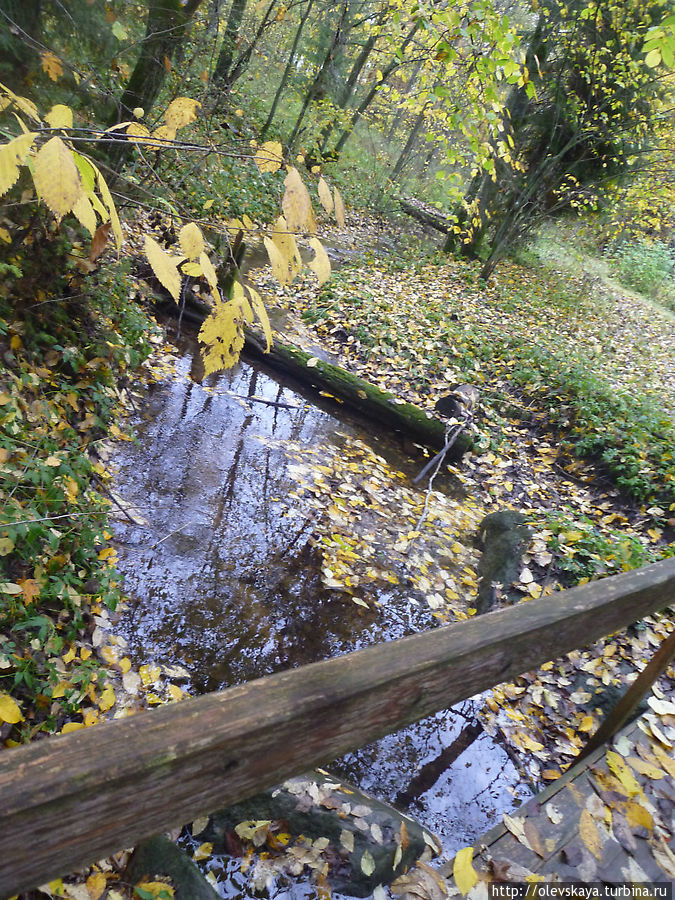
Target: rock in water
[
  {"x": 504, "y": 538},
  {"x": 353, "y": 840}
]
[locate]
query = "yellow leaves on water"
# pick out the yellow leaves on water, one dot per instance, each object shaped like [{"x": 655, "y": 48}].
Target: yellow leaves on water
[
  {"x": 13, "y": 155},
  {"x": 164, "y": 266},
  {"x": 463, "y": 871},
  {"x": 296, "y": 203},
  {"x": 9, "y": 710},
  {"x": 56, "y": 177},
  {"x": 204, "y": 851},
  {"x": 269, "y": 156},
  {"x": 320, "y": 265}
]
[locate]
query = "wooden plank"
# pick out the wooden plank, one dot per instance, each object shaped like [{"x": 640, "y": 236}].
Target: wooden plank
[{"x": 72, "y": 799}]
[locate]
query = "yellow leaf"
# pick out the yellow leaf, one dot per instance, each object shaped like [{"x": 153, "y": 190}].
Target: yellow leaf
[
  {"x": 163, "y": 135},
  {"x": 13, "y": 155},
  {"x": 463, "y": 871},
  {"x": 193, "y": 269},
  {"x": 261, "y": 313},
  {"x": 587, "y": 724},
  {"x": 22, "y": 103},
  {"x": 106, "y": 553},
  {"x": 6, "y": 547},
  {"x": 296, "y": 203},
  {"x": 164, "y": 267},
  {"x": 203, "y": 851},
  {"x": 96, "y": 884},
  {"x": 5, "y": 235},
  {"x": 191, "y": 240},
  {"x": 207, "y": 204},
  {"x": 339, "y": 208},
  {"x": 320, "y": 264},
  {"x": 138, "y": 112},
  {"x": 138, "y": 132},
  {"x": 269, "y": 156},
  {"x": 210, "y": 274},
  {"x": 60, "y": 116},
  {"x": 9, "y": 710},
  {"x": 69, "y": 656},
  {"x": 125, "y": 664},
  {"x": 159, "y": 889},
  {"x": 619, "y": 768},
  {"x": 90, "y": 718},
  {"x": 84, "y": 213},
  {"x": 51, "y": 64},
  {"x": 56, "y": 177},
  {"x": 325, "y": 195},
  {"x": 637, "y": 816},
  {"x": 181, "y": 112},
  {"x": 645, "y": 768},
  {"x": 174, "y": 692},
  {"x": 285, "y": 243},
  {"x": 110, "y": 205},
  {"x": 222, "y": 333},
  {"x": 72, "y": 726},
  {"x": 109, "y": 655},
  {"x": 367, "y": 863},
  {"x": 107, "y": 699},
  {"x": 280, "y": 268},
  {"x": 589, "y": 834},
  {"x": 85, "y": 653}
]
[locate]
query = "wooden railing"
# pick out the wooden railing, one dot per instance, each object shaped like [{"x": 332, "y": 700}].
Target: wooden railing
[{"x": 72, "y": 799}]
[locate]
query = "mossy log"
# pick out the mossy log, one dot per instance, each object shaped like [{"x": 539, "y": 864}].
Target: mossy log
[{"x": 377, "y": 405}]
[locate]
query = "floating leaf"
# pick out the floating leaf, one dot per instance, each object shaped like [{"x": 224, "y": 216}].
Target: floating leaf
[
  {"x": 367, "y": 863},
  {"x": 203, "y": 851},
  {"x": 164, "y": 267},
  {"x": 269, "y": 156}
]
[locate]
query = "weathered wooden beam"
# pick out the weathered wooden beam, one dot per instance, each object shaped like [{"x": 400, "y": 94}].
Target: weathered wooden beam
[{"x": 72, "y": 799}]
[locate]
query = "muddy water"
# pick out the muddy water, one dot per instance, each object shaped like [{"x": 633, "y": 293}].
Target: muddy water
[{"x": 226, "y": 582}]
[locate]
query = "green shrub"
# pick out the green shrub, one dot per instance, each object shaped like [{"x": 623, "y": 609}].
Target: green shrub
[{"x": 647, "y": 267}]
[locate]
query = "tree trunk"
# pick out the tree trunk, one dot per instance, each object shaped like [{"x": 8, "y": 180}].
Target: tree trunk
[
  {"x": 348, "y": 87},
  {"x": 241, "y": 63},
  {"x": 221, "y": 72},
  {"x": 367, "y": 100},
  {"x": 164, "y": 32},
  {"x": 410, "y": 143},
  {"x": 287, "y": 71},
  {"x": 319, "y": 79}
]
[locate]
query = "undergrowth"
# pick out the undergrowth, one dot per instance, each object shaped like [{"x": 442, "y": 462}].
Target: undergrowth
[{"x": 67, "y": 341}]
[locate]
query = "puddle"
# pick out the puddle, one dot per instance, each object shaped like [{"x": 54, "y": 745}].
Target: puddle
[{"x": 226, "y": 579}]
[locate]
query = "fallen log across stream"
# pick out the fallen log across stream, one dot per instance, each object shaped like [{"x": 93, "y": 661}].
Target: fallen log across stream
[
  {"x": 72, "y": 799},
  {"x": 377, "y": 406}
]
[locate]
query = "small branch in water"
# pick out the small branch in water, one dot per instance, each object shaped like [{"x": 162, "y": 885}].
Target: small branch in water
[
  {"x": 277, "y": 403},
  {"x": 167, "y": 536},
  {"x": 437, "y": 461}
]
